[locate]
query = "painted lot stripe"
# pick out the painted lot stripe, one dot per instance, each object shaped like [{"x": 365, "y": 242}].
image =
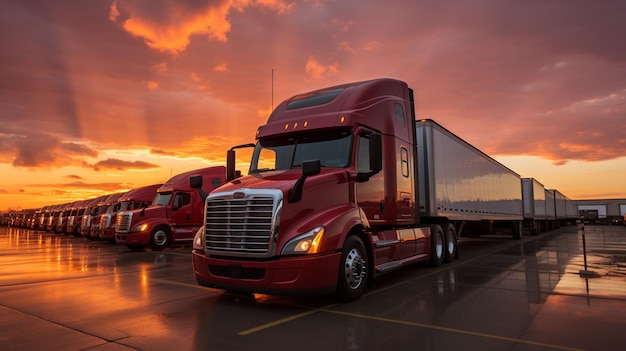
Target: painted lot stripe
[
  {"x": 328, "y": 309},
  {"x": 453, "y": 330},
  {"x": 284, "y": 320}
]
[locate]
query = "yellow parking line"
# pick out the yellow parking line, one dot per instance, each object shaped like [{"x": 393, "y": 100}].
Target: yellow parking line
[
  {"x": 284, "y": 320},
  {"x": 453, "y": 330}
]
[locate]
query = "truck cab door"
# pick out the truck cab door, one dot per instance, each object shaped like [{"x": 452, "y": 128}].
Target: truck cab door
[
  {"x": 370, "y": 192},
  {"x": 181, "y": 209}
]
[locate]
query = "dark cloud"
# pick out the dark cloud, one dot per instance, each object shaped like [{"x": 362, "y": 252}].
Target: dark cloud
[
  {"x": 73, "y": 176},
  {"x": 112, "y": 163},
  {"x": 42, "y": 150}
]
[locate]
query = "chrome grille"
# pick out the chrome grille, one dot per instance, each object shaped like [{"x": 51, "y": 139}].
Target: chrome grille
[
  {"x": 122, "y": 222},
  {"x": 240, "y": 226}
]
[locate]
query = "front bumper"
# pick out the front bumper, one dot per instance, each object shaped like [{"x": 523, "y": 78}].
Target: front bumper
[
  {"x": 137, "y": 238},
  {"x": 297, "y": 275}
]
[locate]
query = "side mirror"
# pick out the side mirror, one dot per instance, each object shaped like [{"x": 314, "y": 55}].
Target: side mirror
[
  {"x": 309, "y": 168},
  {"x": 230, "y": 165},
  {"x": 231, "y": 173},
  {"x": 195, "y": 182}
]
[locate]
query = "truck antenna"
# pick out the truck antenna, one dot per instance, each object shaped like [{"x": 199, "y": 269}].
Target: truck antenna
[{"x": 272, "y": 90}]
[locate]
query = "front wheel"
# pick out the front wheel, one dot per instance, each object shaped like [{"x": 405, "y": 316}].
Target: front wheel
[
  {"x": 160, "y": 238},
  {"x": 353, "y": 275}
]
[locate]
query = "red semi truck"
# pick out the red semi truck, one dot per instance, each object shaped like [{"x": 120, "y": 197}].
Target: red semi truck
[
  {"x": 106, "y": 205},
  {"x": 344, "y": 184},
  {"x": 132, "y": 200},
  {"x": 174, "y": 216}
]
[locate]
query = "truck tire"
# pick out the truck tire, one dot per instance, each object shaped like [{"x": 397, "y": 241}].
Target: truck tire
[
  {"x": 450, "y": 242},
  {"x": 437, "y": 246},
  {"x": 353, "y": 275},
  {"x": 160, "y": 238}
]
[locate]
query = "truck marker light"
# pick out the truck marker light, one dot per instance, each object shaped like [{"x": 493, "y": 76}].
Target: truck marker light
[
  {"x": 315, "y": 244},
  {"x": 197, "y": 240},
  {"x": 286, "y": 126},
  {"x": 295, "y": 125},
  {"x": 342, "y": 119},
  {"x": 305, "y": 124}
]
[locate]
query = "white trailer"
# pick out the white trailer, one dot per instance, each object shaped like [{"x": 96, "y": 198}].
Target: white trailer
[
  {"x": 534, "y": 196},
  {"x": 550, "y": 209},
  {"x": 461, "y": 183},
  {"x": 560, "y": 208}
]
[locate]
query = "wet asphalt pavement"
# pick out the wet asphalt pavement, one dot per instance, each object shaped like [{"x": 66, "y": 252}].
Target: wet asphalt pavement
[{"x": 66, "y": 293}]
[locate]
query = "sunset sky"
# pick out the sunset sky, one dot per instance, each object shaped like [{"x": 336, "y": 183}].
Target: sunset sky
[{"x": 105, "y": 95}]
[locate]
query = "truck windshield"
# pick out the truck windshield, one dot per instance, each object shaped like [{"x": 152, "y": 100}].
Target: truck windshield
[
  {"x": 332, "y": 148},
  {"x": 162, "y": 199}
]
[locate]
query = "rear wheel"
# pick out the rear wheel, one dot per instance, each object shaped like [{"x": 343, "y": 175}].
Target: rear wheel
[
  {"x": 437, "y": 251},
  {"x": 352, "y": 277},
  {"x": 160, "y": 238},
  {"x": 450, "y": 242}
]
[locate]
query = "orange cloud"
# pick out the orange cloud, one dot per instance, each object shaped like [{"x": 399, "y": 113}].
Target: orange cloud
[
  {"x": 317, "y": 70},
  {"x": 221, "y": 68},
  {"x": 168, "y": 26},
  {"x": 152, "y": 85},
  {"x": 209, "y": 149}
]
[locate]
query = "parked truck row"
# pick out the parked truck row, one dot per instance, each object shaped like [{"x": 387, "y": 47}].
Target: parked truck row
[
  {"x": 151, "y": 216},
  {"x": 345, "y": 183}
]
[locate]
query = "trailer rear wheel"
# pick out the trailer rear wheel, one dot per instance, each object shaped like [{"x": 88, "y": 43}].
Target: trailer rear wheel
[
  {"x": 451, "y": 242},
  {"x": 437, "y": 243},
  {"x": 353, "y": 275},
  {"x": 160, "y": 238}
]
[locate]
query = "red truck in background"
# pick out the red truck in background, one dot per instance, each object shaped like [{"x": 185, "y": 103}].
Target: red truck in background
[
  {"x": 74, "y": 220},
  {"x": 87, "y": 217},
  {"x": 344, "y": 185},
  {"x": 173, "y": 217},
  {"x": 132, "y": 200},
  {"x": 62, "y": 216},
  {"x": 105, "y": 204}
]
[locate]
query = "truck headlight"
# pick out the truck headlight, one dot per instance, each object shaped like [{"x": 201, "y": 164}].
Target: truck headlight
[
  {"x": 307, "y": 243},
  {"x": 197, "y": 240},
  {"x": 140, "y": 228}
]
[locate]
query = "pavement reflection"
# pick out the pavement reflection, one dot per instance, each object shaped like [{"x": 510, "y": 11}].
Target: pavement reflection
[{"x": 500, "y": 295}]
